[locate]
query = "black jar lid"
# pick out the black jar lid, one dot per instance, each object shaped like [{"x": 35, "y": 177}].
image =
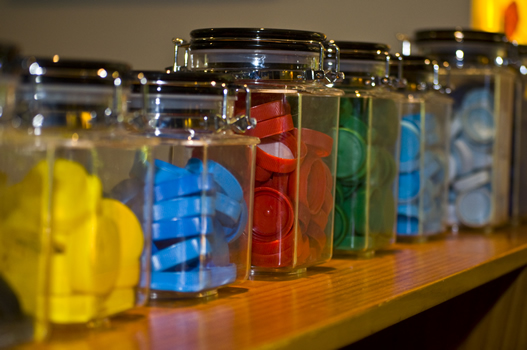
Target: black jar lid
[
  {"x": 8, "y": 55},
  {"x": 256, "y": 38},
  {"x": 522, "y": 50},
  {"x": 183, "y": 82},
  {"x": 416, "y": 63},
  {"x": 459, "y": 35},
  {"x": 356, "y": 50},
  {"x": 71, "y": 71}
]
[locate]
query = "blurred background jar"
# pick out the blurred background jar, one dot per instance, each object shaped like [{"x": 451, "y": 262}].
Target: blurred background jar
[
  {"x": 203, "y": 181},
  {"x": 519, "y": 151},
  {"x": 296, "y": 117},
  {"x": 474, "y": 66},
  {"x": 64, "y": 157},
  {"x": 368, "y": 150},
  {"x": 424, "y": 153}
]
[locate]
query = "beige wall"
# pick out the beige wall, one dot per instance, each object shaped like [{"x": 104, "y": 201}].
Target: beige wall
[{"x": 140, "y": 32}]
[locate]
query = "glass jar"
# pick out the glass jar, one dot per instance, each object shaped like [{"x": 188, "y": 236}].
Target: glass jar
[
  {"x": 9, "y": 70},
  {"x": 66, "y": 163},
  {"x": 423, "y": 160},
  {"x": 368, "y": 133},
  {"x": 519, "y": 151},
  {"x": 17, "y": 323},
  {"x": 475, "y": 68},
  {"x": 296, "y": 117},
  {"x": 203, "y": 182}
]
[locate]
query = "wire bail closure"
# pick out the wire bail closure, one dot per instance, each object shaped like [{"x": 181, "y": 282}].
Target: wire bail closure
[
  {"x": 331, "y": 76},
  {"x": 180, "y": 43}
]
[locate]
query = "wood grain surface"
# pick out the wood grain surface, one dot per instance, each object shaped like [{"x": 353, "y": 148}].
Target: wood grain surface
[{"x": 335, "y": 304}]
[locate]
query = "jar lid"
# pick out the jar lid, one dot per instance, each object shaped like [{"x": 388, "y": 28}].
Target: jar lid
[
  {"x": 417, "y": 63},
  {"x": 522, "y": 50},
  {"x": 8, "y": 54},
  {"x": 356, "y": 50},
  {"x": 187, "y": 100},
  {"x": 182, "y": 82},
  {"x": 256, "y": 38},
  {"x": 69, "y": 71},
  {"x": 460, "y": 35}
]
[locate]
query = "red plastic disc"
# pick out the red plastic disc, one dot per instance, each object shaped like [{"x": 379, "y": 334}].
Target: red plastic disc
[
  {"x": 275, "y": 247},
  {"x": 329, "y": 178},
  {"x": 304, "y": 217},
  {"x": 261, "y": 175},
  {"x": 278, "y": 154},
  {"x": 305, "y": 251},
  {"x": 273, "y": 260},
  {"x": 312, "y": 186},
  {"x": 321, "y": 219},
  {"x": 328, "y": 202},
  {"x": 268, "y": 110},
  {"x": 317, "y": 142},
  {"x": 273, "y": 214},
  {"x": 272, "y": 127},
  {"x": 317, "y": 235},
  {"x": 278, "y": 182}
]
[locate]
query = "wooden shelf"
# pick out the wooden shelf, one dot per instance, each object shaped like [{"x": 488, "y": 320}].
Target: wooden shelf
[{"x": 336, "y": 304}]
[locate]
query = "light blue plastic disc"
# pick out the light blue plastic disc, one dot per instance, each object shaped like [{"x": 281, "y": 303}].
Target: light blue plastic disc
[{"x": 474, "y": 208}]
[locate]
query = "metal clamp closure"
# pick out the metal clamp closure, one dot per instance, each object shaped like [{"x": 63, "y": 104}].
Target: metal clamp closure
[
  {"x": 330, "y": 75},
  {"x": 398, "y": 82},
  {"x": 244, "y": 122},
  {"x": 180, "y": 43}
]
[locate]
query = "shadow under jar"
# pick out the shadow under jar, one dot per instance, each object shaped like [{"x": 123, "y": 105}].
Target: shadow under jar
[
  {"x": 475, "y": 70},
  {"x": 367, "y": 163},
  {"x": 73, "y": 241},
  {"x": 297, "y": 117},
  {"x": 203, "y": 182}
]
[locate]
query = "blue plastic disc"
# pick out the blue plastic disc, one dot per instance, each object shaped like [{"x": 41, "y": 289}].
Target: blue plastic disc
[
  {"x": 194, "y": 281},
  {"x": 235, "y": 233},
  {"x": 183, "y": 186},
  {"x": 183, "y": 207},
  {"x": 223, "y": 178},
  {"x": 179, "y": 253},
  {"x": 407, "y": 225},
  {"x": 219, "y": 246},
  {"x": 408, "y": 210},
  {"x": 474, "y": 208},
  {"x": 182, "y": 228},
  {"x": 228, "y": 210},
  {"x": 478, "y": 124},
  {"x": 165, "y": 172},
  {"x": 410, "y": 141},
  {"x": 409, "y": 166},
  {"x": 408, "y": 186}
]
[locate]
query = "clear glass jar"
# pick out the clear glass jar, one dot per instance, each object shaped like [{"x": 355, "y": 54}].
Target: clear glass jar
[
  {"x": 203, "y": 182},
  {"x": 519, "y": 151},
  {"x": 475, "y": 68},
  {"x": 9, "y": 70},
  {"x": 424, "y": 152},
  {"x": 297, "y": 116},
  {"x": 21, "y": 316},
  {"x": 66, "y": 165},
  {"x": 368, "y": 133}
]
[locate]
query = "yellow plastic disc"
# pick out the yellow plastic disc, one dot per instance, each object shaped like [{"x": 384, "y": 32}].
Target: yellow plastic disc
[
  {"x": 132, "y": 240},
  {"x": 94, "y": 253}
]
